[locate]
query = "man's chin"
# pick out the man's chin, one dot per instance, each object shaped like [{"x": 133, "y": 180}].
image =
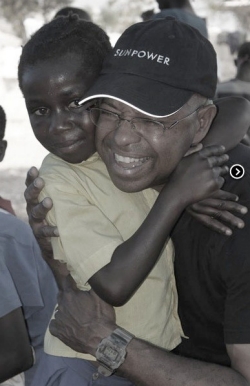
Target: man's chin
[{"x": 129, "y": 186}]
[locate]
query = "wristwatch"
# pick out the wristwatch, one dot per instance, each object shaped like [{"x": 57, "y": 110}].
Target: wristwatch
[{"x": 111, "y": 351}]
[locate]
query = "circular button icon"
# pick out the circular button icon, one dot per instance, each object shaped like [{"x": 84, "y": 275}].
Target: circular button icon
[{"x": 237, "y": 171}]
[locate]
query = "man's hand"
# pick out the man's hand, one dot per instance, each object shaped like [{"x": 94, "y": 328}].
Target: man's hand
[
  {"x": 215, "y": 212},
  {"x": 42, "y": 231},
  {"x": 82, "y": 320},
  {"x": 37, "y": 211}
]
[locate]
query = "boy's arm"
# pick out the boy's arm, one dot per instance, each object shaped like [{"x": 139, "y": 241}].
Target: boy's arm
[
  {"x": 133, "y": 259},
  {"x": 145, "y": 364},
  {"x": 16, "y": 353},
  {"x": 230, "y": 124}
]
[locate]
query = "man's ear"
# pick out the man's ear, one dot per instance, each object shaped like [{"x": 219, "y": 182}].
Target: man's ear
[
  {"x": 205, "y": 118},
  {"x": 3, "y": 147}
]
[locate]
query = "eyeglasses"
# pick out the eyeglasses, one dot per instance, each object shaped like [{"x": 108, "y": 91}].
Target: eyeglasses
[{"x": 103, "y": 118}]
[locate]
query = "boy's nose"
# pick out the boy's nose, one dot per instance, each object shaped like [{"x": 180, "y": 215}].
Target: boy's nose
[{"x": 61, "y": 121}]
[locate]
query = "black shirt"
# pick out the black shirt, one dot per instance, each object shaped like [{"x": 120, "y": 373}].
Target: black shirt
[{"x": 213, "y": 278}]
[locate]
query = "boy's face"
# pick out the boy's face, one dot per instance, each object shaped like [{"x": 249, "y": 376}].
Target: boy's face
[
  {"x": 137, "y": 161},
  {"x": 52, "y": 89}
]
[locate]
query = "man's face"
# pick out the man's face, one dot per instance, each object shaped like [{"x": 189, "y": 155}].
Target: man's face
[
  {"x": 52, "y": 90},
  {"x": 137, "y": 160}
]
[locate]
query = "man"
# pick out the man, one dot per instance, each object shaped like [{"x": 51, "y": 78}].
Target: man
[
  {"x": 214, "y": 305},
  {"x": 240, "y": 85},
  {"x": 182, "y": 10},
  {"x": 142, "y": 77}
]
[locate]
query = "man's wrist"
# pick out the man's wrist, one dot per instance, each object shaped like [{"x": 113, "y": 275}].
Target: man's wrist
[{"x": 100, "y": 331}]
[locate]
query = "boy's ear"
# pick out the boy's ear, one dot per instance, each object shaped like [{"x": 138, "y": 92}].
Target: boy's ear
[
  {"x": 205, "y": 117},
  {"x": 3, "y": 147}
]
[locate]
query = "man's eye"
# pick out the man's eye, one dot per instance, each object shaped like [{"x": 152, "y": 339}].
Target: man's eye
[
  {"x": 75, "y": 104},
  {"x": 41, "y": 111}
]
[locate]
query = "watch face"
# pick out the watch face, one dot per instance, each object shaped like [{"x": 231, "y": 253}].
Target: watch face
[{"x": 110, "y": 354}]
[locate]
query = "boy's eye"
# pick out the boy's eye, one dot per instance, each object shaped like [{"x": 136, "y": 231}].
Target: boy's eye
[
  {"x": 41, "y": 111},
  {"x": 75, "y": 104}
]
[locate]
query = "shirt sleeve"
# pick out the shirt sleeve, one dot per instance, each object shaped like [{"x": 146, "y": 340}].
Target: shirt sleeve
[
  {"x": 87, "y": 237},
  {"x": 9, "y": 299}
]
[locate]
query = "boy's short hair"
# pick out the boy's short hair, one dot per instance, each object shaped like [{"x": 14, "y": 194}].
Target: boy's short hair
[
  {"x": 2, "y": 122},
  {"x": 78, "y": 11},
  {"x": 63, "y": 35}
]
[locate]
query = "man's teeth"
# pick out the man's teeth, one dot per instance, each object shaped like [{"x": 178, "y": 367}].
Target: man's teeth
[{"x": 129, "y": 160}]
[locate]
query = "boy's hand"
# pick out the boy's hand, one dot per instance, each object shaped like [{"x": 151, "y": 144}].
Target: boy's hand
[
  {"x": 217, "y": 208},
  {"x": 199, "y": 175},
  {"x": 37, "y": 211}
]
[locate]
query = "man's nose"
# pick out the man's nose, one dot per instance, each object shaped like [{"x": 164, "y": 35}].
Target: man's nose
[
  {"x": 61, "y": 121},
  {"x": 125, "y": 134}
]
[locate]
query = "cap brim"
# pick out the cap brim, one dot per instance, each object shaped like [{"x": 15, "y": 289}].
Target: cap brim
[{"x": 145, "y": 95}]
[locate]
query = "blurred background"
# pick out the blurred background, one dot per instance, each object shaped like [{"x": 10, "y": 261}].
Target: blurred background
[{"x": 228, "y": 27}]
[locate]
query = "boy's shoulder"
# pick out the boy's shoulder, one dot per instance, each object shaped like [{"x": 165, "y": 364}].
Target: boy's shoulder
[{"x": 52, "y": 160}]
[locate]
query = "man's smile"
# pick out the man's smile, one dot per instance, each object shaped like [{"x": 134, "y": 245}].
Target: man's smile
[{"x": 129, "y": 162}]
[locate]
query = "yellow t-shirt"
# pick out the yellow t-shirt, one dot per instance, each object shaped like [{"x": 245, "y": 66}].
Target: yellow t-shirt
[{"x": 94, "y": 217}]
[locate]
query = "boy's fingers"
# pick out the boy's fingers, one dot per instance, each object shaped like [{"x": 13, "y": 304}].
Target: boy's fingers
[
  {"x": 224, "y": 170},
  {"x": 217, "y": 160},
  {"x": 212, "y": 151}
]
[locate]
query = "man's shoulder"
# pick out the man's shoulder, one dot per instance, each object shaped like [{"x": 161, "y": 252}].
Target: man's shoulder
[{"x": 240, "y": 155}]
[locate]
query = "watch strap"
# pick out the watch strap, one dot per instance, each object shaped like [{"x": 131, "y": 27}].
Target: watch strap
[{"x": 120, "y": 333}]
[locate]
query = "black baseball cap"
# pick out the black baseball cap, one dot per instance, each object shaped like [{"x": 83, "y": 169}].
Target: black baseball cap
[{"x": 156, "y": 66}]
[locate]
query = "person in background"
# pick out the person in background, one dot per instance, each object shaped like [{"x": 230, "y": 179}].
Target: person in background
[
  {"x": 240, "y": 84},
  {"x": 27, "y": 295},
  {"x": 4, "y": 204},
  {"x": 78, "y": 11},
  {"x": 147, "y": 15},
  {"x": 182, "y": 10}
]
